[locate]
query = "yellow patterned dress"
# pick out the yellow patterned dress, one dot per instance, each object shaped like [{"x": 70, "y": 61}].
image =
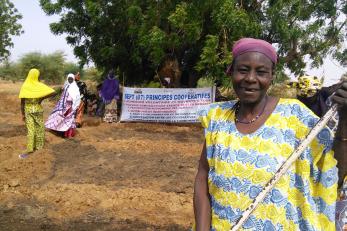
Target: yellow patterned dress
[
  {"x": 240, "y": 164},
  {"x": 34, "y": 123}
]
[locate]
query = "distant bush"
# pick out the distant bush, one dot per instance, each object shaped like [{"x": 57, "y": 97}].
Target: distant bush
[
  {"x": 282, "y": 90},
  {"x": 72, "y": 68},
  {"x": 58, "y": 90},
  {"x": 10, "y": 71},
  {"x": 92, "y": 73},
  {"x": 53, "y": 67}
]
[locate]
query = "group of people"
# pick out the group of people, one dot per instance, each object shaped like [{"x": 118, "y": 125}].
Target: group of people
[
  {"x": 246, "y": 142},
  {"x": 68, "y": 113}
]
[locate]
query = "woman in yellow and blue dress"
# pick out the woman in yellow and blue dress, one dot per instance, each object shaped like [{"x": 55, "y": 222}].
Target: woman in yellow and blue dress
[
  {"x": 32, "y": 93},
  {"x": 247, "y": 140}
]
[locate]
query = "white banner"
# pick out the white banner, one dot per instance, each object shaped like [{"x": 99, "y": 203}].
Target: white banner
[{"x": 164, "y": 104}]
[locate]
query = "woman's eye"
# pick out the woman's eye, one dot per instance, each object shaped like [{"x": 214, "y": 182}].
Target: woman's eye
[
  {"x": 262, "y": 73},
  {"x": 243, "y": 70}
]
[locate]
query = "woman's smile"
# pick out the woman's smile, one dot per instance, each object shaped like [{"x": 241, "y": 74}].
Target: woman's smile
[
  {"x": 249, "y": 90},
  {"x": 252, "y": 76}
]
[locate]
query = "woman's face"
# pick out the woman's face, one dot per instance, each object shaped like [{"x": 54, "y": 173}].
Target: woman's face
[
  {"x": 252, "y": 76},
  {"x": 70, "y": 79}
]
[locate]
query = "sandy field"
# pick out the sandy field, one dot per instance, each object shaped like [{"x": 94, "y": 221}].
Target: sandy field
[{"x": 124, "y": 176}]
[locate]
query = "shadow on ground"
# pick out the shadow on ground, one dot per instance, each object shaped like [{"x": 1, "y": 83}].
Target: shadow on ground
[{"x": 20, "y": 219}]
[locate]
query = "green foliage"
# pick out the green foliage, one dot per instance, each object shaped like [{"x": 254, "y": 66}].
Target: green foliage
[
  {"x": 213, "y": 60},
  {"x": 135, "y": 36},
  {"x": 282, "y": 90},
  {"x": 186, "y": 21},
  {"x": 10, "y": 71},
  {"x": 152, "y": 84},
  {"x": 342, "y": 57},
  {"x": 59, "y": 91},
  {"x": 154, "y": 44},
  {"x": 92, "y": 74},
  {"x": 205, "y": 82},
  {"x": 281, "y": 77},
  {"x": 72, "y": 68},
  {"x": 9, "y": 26},
  {"x": 53, "y": 67}
]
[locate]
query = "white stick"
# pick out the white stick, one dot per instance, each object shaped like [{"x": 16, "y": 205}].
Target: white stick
[{"x": 285, "y": 166}]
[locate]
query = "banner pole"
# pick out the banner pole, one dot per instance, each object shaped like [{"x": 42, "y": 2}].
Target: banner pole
[{"x": 121, "y": 107}]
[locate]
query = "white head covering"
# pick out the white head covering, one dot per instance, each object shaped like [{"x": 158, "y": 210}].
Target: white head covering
[{"x": 73, "y": 91}]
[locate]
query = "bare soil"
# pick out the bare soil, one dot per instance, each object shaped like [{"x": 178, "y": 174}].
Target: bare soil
[{"x": 124, "y": 176}]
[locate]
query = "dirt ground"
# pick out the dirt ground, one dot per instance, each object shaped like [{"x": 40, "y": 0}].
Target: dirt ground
[{"x": 124, "y": 176}]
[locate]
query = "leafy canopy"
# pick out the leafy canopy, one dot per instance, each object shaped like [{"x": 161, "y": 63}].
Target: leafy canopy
[
  {"x": 9, "y": 26},
  {"x": 136, "y": 35}
]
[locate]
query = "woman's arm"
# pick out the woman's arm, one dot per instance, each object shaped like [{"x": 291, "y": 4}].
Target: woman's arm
[
  {"x": 340, "y": 142},
  {"x": 48, "y": 96},
  {"x": 340, "y": 145},
  {"x": 202, "y": 206},
  {"x": 330, "y": 90}
]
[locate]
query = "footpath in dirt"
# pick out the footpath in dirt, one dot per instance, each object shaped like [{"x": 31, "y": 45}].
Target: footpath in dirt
[{"x": 124, "y": 176}]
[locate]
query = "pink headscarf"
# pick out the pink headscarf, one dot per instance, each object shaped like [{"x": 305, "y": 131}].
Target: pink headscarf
[{"x": 245, "y": 45}]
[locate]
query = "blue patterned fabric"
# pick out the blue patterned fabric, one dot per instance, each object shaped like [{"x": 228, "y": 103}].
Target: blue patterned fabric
[{"x": 241, "y": 164}]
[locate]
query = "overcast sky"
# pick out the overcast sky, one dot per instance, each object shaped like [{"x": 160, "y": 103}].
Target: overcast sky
[{"x": 38, "y": 37}]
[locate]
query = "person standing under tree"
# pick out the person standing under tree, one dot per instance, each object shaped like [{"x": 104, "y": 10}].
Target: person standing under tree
[
  {"x": 110, "y": 95},
  {"x": 247, "y": 140},
  {"x": 317, "y": 98},
  {"x": 313, "y": 95},
  {"x": 84, "y": 94},
  {"x": 32, "y": 93}
]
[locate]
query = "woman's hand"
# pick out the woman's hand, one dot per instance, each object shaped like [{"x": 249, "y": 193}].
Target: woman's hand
[
  {"x": 340, "y": 96},
  {"x": 48, "y": 96},
  {"x": 340, "y": 144}
]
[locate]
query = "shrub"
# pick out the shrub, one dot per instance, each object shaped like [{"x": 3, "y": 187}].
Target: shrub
[
  {"x": 153, "y": 84},
  {"x": 205, "y": 82}
]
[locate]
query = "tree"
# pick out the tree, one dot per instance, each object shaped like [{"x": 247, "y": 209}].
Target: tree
[
  {"x": 135, "y": 36},
  {"x": 10, "y": 71},
  {"x": 72, "y": 68},
  {"x": 53, "y": 67},
  {"x": 9, "y": 26}
]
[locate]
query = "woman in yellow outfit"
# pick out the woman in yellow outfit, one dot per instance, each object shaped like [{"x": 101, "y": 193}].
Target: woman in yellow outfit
[
  {"x": 248, "y": 140},
  {"x": 32, "y": 93}
]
